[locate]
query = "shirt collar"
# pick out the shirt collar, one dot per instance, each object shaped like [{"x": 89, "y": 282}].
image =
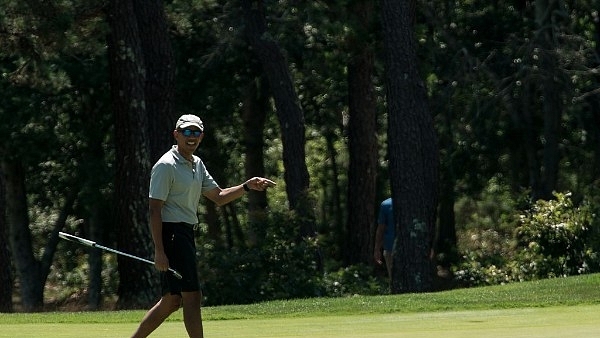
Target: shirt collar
[{"x": 179, "y": 157}]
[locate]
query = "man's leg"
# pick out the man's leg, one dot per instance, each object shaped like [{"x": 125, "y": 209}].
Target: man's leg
[
  {"x": 387, "y": 256},
  {"x": 192, "y": 315},
  {"x": 157, "y": 314}
]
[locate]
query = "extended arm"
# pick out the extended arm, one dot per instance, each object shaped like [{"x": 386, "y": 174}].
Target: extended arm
[{"x": 223, "y": 196}]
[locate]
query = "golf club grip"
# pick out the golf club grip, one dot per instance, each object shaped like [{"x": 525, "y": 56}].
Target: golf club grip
[{"x": 175, "y": 273}]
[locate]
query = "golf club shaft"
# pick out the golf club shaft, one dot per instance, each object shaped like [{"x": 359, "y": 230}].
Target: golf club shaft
[{"x": 93, "y": 244}]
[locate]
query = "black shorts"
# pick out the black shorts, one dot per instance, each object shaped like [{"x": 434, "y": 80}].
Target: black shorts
[{"x": 180, "y": 248}]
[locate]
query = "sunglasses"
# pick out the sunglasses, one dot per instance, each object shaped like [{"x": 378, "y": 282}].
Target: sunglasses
[{"x": 190, "y": 132}]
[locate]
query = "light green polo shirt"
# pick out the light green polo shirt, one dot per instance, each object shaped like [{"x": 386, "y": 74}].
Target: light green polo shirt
[{"x": 180, "y": 184}]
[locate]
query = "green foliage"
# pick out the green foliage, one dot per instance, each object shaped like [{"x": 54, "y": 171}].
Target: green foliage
[
  {"x": 484, "y": 232},
  {"x": 551, "y": 236},
  {"x": 352, "y": 280},
  {"x": 69, "y": 278},
  {"x": 592, "y": 204},
  {"x": 279, "y": 266},
  {"x": 552, "y": 239},
  {"x": 481, "y": 78}
]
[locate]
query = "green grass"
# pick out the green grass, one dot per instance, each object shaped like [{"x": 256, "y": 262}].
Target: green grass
[{"x": 563, "y": 307}]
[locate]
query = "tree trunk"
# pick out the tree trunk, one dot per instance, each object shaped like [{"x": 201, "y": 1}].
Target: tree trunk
[
  {"x": 215, "y": 231},
  {"x": 594, "y": 102},
  {"x": 527, "y": 127},
  {"x": 98, "y": 222},
  {"x": 138, "y": 284},
  {"x": 551, "y": 96},
  {"x": 289, "y": 112},
  {"x": 332, "y": 210},
  {"x": 446, "y": 249},
  {"x": 413, "y": 152},
  {"x": 595, "y": 139},
  {"x": 6, "y": 278},
  {"x": 96, "y": 234},
  {"x": 362, "y": 141},
  {"x": 52, "y": 243},
  {"x": 33, "y": 273},
  {"x": 254, "y": 115},
  {"x": 159, "y": 63},
  {"x": 28, "y": 268}
]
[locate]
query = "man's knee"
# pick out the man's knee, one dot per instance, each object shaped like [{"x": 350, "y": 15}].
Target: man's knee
[{"x": 172, "y": 302}]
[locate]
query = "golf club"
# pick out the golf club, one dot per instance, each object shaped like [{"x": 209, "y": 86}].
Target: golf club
[{"x": 93, "y": 244}]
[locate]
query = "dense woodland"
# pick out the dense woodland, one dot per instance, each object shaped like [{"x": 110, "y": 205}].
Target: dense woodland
[{"x": 480, "y": 118}]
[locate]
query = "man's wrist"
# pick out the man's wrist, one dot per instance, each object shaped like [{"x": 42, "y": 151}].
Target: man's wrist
[{"x": 246, "y": 187}]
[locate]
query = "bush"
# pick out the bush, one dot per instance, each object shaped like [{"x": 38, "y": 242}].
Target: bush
[
  {"x": 552, "y": 239},
  {"x": 352, "y": 280},
  {"x": 486, "y": 252},
  {"x": 477, "y": 269},
  {"x": 279, "y": 266}
]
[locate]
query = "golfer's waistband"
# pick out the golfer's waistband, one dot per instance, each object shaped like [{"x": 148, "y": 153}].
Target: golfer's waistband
[{"x": 187, "y": 225}]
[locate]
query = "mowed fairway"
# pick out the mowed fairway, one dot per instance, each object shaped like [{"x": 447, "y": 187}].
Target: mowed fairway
[
  {"x": 559, "y": 307},
  {"x": 556, "y": 321}
]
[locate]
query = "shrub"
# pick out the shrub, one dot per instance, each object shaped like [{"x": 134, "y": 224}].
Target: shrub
[
  {"x": 485, "y": 254},
  {"x": 352, "y": 280},
  {"x": 278, "y": 266},
  {"x": 552, "y": 238}
]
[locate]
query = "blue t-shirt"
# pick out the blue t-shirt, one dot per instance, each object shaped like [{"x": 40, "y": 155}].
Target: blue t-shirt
[{"x": 386, "y": 217}]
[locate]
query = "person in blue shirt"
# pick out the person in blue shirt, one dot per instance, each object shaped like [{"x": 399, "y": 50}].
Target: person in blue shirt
[{"x": 385, "y": 235}]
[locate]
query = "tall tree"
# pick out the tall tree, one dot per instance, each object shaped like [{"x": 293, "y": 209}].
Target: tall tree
[
  {"x": 94, "y": 200},
  {"x": 137, "y": 283},
  {"x": 362, "y": 136},
  {"x": 548, "y": 13},
  {"x": 52, "y": 107},
  {"x": 32, "y": 271},
  {"x": 159, "y": 73},
  {"x": 289, "y": 111},
  {"x": 594, "y": 102},
  {"x": 6, "y": 279},
  {"x": 32, "y": 296},
  {"x": 413, "y": 153},
  {"x": 254, "y": 114}
]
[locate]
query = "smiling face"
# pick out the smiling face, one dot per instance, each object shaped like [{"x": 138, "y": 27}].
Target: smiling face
[{"x": 188, "y": 139}]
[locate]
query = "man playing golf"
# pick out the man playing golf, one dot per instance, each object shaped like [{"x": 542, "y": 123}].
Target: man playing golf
[{"x": 177, "y": 182}]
